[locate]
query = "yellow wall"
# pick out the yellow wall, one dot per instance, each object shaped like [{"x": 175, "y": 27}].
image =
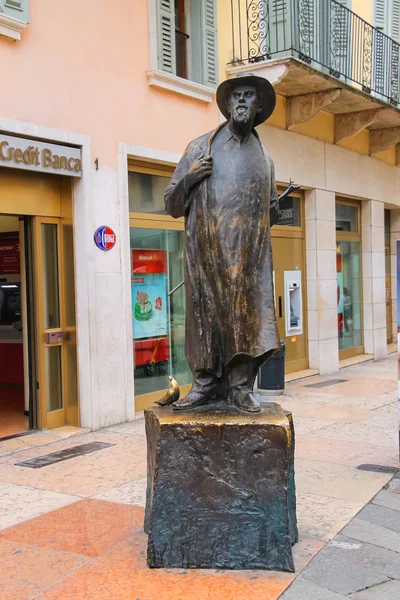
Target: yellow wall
[
  {"x": 358, "y": 143},
  {"x": 388, "y": 156},
  {"x": 278, "y": 117},
  {"x": 363, "y": 8},
  {"x": 320, "y": 127}
]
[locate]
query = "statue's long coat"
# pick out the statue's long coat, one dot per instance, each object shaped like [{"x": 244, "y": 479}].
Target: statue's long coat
[{"x": 230, "y": 306}]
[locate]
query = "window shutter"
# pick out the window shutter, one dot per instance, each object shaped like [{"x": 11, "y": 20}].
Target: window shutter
[
  {"x": 17, "y": 9},
  {"x": 395, "y": 21},
  {"x": 209, "y": 28},
  {"x": 380, "y": 15},
  {"x": 166, "y": 36},
  {"x": 279, "y": 26},
  {"x": 380, "y": 22}
]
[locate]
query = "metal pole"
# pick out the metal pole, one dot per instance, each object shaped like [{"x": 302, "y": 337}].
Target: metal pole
[{"x": 176, "y": 288}]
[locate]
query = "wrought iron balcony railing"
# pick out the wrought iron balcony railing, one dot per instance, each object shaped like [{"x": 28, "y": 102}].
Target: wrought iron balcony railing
[{"x": 322, "y": 33}]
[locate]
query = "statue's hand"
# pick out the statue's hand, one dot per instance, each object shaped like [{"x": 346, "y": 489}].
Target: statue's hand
[{"x": 199, "y": 170}]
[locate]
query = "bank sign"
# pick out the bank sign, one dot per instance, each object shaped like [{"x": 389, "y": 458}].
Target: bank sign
[{"x": 30, "y": 155}]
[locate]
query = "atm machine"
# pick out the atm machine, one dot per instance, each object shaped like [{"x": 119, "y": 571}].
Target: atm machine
[{"x": 293, "y": 303}]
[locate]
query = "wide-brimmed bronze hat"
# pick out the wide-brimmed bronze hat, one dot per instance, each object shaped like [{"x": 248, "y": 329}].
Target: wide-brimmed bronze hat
[{"x": 266, "y": 94}]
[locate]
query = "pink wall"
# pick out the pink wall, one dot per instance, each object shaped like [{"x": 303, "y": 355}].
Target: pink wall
[{"x": 81, "y": 66}]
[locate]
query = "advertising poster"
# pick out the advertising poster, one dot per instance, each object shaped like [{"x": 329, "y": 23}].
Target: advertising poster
[
  {"x": 149, "y": 294},
  {"x": 9, "y": 253}
]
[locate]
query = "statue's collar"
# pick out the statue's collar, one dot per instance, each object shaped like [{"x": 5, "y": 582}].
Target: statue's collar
[{"x": 225, "y": 126}]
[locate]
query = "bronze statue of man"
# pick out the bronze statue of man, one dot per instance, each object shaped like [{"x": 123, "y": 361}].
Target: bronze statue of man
[{"x": 224, "y": 186}]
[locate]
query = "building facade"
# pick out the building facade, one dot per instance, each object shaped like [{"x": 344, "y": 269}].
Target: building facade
[
  {"x": 96, "y": 114},
  {"x": 108, "y": 87},
  {"x": 335, "y": 131}
]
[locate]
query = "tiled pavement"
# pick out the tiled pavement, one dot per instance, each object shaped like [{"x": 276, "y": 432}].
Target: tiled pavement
[
  {"x": 363, "y": 561},
  {"x": 73, "y": 530}
]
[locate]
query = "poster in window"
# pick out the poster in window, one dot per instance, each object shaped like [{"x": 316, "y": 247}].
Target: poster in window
[
  {"x": 9, "y": 253},
  {"x": 149, "y": 294}
]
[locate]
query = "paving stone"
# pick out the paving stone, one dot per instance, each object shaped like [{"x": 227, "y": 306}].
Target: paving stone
[
  {"x": 373, "y": 534},
  {"x": 130, "y": 428},
  {"x": 305, "y": 590},
  {"x": 394, "y": 485},
  {"x": 338, "y": 481},
  {"x": 332, "y": 569},
  {"x": 321, "y": 518},
  {"x": 381, "y": 430},
  {"x": 307, "y": 425},
  {"x": 386, "y": 591},
  {"x": 379, "y": 515},
  {"x": 20, "y": 503},
  {"x": 369, "y": 556},
  {"x": 133, "y": 492},
  {"x": 388, "y": 499}
]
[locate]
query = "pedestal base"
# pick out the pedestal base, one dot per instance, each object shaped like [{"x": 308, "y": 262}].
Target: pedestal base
[{"x": 220, "y": 491}]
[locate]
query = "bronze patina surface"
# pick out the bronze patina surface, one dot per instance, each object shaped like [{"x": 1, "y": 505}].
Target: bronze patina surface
[
  {"x": 220, "y": 491},
  {"x": 224, "y": 186},
  {"x": 220, "y": 488}
]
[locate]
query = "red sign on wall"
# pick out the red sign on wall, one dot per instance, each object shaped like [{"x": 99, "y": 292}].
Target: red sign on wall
[
  {"x": 10, "y": 253},
  {"x": 149, "y": 261}
]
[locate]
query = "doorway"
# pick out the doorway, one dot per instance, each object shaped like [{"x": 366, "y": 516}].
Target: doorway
[
  {"x": 14, "y": 397},
  {"x": 38, "y": 357},
  {"x": 288, "y": 251},
  {"x": 349, "y": 278},
  {"x": 388, "y": 279}
]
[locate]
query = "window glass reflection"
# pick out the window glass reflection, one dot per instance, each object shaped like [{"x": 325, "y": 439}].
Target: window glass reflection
[
  {"x": 158, "y": 321},
  {"x": 348, "y": 272},
  {"x": 346, "y": 218},
  {"x": 290, "y": 212},
  {"x": 146, "y": 193}
]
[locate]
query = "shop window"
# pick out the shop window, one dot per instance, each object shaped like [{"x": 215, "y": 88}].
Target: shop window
[
  {"x": 290, "y": 212},
  {"x": 347, "y": 217},
  {"x": 388, "y": 279},
  {"x": 187, "y": 39},
  {"x": 348, "y": 261},
  {"x": 349, "y": 279},
  {"x": 146, "y": 193},
  {"x": 158, "y": 320}
]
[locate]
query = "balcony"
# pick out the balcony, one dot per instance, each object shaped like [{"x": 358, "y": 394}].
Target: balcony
[{"x": 320, "y": 55}]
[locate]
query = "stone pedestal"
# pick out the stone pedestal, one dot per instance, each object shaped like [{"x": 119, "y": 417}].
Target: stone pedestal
[{"x": 220, "y": 491}]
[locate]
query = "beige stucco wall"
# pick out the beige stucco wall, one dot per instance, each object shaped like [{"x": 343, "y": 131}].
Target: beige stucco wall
[
  {"x": 81, "y": 66},
  {"x": 327, "y": 171},
  {"x": 316, "y": 164}
]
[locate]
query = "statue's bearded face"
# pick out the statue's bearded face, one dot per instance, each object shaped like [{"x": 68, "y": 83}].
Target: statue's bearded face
[{"x": 244, "y": 104}]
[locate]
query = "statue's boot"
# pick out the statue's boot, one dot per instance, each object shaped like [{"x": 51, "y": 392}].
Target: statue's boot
[
  {"x": 241, "y": 376},
  {"x": 203, "y": 391}
]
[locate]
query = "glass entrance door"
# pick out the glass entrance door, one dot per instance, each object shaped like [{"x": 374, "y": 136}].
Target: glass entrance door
[
  {"x": 348, "y": 261},
  {"x": 349, "y": 279},
  {"x": 55, "y": 323},
  {"x": 388, "y": 279}
]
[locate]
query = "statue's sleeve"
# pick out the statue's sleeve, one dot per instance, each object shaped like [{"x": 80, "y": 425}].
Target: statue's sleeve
[
  {"x": 177, "y": 194},
  {"x": 274, "y": 200}
]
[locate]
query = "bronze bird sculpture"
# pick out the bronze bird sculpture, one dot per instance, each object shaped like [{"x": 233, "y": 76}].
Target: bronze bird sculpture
[{"x": 172, "y": 394}]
